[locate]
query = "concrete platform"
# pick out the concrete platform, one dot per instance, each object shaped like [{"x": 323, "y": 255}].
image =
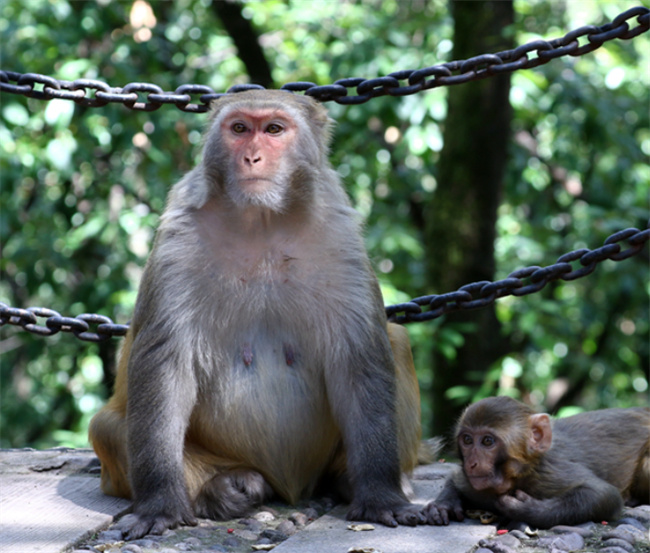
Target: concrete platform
[{"x": 50, "y": 502}]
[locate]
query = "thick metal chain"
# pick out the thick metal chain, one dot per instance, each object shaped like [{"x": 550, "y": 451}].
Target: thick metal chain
[
  {"x": 471, "y": 296},
  {"x": 521, "y": 282},
  {"x": 93, "y": 93}
]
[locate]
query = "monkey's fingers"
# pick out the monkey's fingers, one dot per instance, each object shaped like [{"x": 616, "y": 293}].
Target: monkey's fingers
[
  {"x": 522, "y": 496},
  {"x": 436, "y": 515},
  {"x": 410, "y": 515},
  {"x": 390, "y": 515}
]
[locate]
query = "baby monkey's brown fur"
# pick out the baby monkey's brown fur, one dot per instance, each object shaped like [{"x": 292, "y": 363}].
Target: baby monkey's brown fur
[
  {"x": 525, "y": 467},
  {"x": 259, "y": 357}
]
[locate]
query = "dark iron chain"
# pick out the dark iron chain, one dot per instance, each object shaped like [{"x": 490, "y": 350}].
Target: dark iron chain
[
  {"x": 55, "y": 323},
  {"x": 93, "y": 93},
  {"x": 521, "y": 282},
  {"x": 471, "y": 296}
]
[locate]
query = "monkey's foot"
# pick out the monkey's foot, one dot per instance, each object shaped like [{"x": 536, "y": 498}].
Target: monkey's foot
[
  {"x": 439, "y": 514},
  {"x": 232, "y": 494},
  {"x": 135, "y": 525},
  {"x": 404, "y": 513}
]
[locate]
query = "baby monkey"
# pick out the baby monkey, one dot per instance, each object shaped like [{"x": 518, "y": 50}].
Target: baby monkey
[{"x": 526, "y": 467}]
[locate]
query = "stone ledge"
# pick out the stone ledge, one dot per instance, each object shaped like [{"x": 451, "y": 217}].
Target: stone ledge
[{"x": 51, "y": 503}]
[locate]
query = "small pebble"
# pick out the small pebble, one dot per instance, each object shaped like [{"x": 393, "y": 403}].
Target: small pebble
[
  {"x": 264, "y": 516},
  {"x": 612, "y": 550},
  {"x": 503, "y": 544},
  {"x": 287, "y": 527},
  {"x": 583, "y": 530},
  {"x": 109, "y": 535},
  {"x": 299, "y": 519},
  {"x": 245, "y": 535},
  {"x": 563, "y": 542},
  {"x": 231, "y": 542},
  {"x": 216, "y": 549},
  {"x": 144, "y": 542},
  {"x": 615, "y": 542},
  {"x": 311, "y": 514},
  {"x": 271, "y": 510},
  {"x": 632, "y": 522},
  {"x": 274, "y": 535},
  {"x": 625, "y": 532},
  {"x": 253, "y": 525}
]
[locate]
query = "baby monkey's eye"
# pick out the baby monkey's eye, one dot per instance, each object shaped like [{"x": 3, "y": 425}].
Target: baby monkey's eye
[
  {"x": 488, "y": 440},
  {"x": 239, "y": 128}
]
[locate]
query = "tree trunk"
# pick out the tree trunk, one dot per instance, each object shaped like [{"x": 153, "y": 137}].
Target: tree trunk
[
  {"x": 460, "y": 220},
  {"x": 246, "y": 41}
]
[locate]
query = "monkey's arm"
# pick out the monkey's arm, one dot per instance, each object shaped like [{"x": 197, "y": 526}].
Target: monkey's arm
[
  {"x": 587, "y": 498},
  {"x": 448, "y": 503},
  {"x": 363, "y": 403},
  {"x": 161, "y": 394}
]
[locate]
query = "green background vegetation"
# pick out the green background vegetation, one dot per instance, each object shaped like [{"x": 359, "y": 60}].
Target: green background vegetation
[{"x": 82, "y": 188}]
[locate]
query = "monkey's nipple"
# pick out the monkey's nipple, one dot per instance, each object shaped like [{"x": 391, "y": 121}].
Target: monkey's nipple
[{"x": 247, "y": 354}]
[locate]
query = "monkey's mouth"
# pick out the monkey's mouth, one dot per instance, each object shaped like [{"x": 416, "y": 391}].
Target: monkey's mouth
[
  {"x": 488, "y": 481},
  {"x": 255, "y": 183}
]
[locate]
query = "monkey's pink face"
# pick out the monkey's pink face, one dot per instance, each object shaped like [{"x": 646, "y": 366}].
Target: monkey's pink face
[{"x": 258, "y": 141}]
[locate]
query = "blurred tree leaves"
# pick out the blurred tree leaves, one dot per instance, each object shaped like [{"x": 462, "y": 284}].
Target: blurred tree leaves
[{"x": 82, "y": 188}]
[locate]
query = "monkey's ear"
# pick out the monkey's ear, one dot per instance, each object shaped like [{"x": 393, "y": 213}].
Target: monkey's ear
[{"x": 541, "y": 435}]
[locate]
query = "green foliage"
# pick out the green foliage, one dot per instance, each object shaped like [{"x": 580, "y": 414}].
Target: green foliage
[{"x": 82, "y": 188}]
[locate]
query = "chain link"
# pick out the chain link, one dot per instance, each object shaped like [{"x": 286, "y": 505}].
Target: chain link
[
  {"x": 522, "y": 281},
  {"x": 425, "y": 308},
  {"x": 196, "y": 98},
  {"x": 55, "y": 323}
]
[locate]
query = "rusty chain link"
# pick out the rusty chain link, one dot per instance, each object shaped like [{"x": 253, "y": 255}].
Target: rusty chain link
[
  {"x": 425, "y": 308},
  {"x": 93, "y": 93}
]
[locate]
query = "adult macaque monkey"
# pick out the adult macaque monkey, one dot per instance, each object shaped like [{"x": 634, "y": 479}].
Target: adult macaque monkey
[
  {"x": 259, "y": 358},
  {"x": 528, "y": 468}
]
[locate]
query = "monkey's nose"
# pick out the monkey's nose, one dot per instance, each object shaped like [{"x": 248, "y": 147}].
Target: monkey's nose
[{"x": 253, "y": 159}]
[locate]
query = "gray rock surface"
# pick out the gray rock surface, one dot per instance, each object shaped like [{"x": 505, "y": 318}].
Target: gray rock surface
[{"x": 51, "y": 502}]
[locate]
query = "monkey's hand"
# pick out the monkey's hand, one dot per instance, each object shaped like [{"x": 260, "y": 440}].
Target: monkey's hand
[
  {"x": 520, "y": 505},
  {"x": 136, "y": 525},
  {"x": 440, "y": 512},
  {"x": 389, "y": 513}
]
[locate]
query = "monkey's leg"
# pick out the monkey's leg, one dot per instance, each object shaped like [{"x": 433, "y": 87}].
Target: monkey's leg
[
  {"x": 409, "y": 431},
  {"x": 107, "y": 434},
  {"x": 594, "y": 500}
]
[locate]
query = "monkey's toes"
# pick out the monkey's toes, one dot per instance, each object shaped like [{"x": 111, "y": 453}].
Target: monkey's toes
[
  {"x": 410, "y": 516},
  {"x": 392, "y": 516},
  {"x": 135, "y": 526}
]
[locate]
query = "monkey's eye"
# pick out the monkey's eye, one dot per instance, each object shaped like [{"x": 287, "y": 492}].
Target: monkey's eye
[
  {"x": 488, "y": 441},
  {"x": 467, "y": 439},
  {"x": 238, "y": 128},
  {"x": 274, "y": 128}
]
